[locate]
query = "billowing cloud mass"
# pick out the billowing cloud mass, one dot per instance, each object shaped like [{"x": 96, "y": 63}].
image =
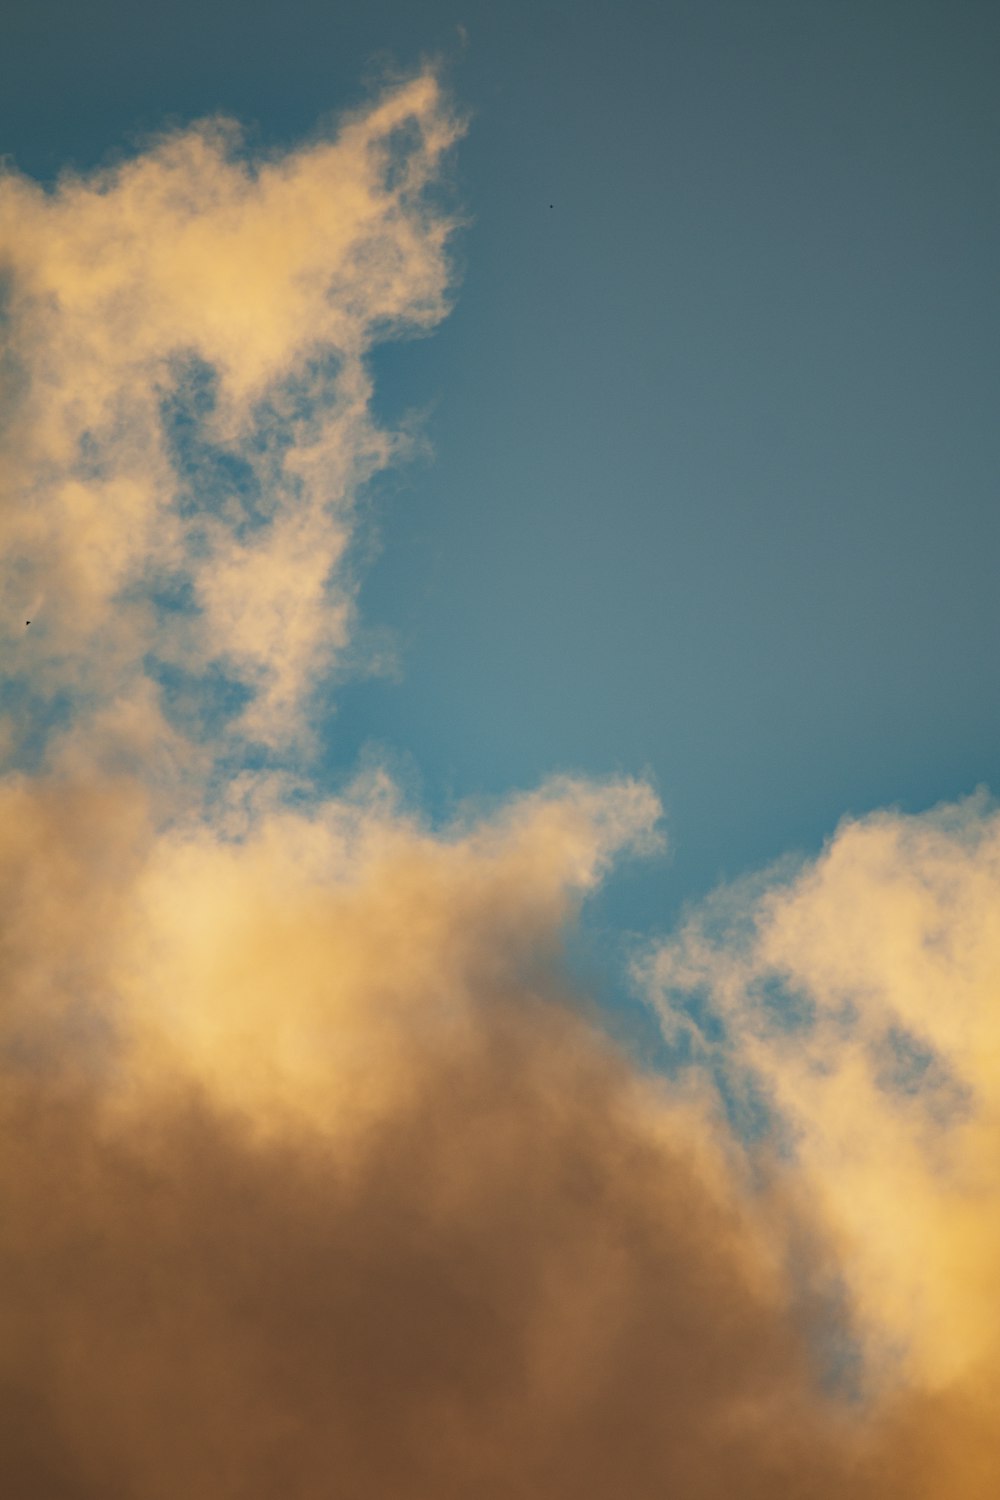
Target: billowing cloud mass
[{"x": 315, "y": 1178}]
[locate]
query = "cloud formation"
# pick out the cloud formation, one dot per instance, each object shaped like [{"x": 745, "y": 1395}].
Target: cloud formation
[
  {"x": 855, "y": 1003},
  {"x": 314, "y": 1176},
  {"x": 313, "y": 1173},
  {"x": 188, "y": 403}
]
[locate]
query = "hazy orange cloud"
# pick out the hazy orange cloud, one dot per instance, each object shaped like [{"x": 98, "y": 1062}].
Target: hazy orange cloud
[{"x": 312, "y": 1176}]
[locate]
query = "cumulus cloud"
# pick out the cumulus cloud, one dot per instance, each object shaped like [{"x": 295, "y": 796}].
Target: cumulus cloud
[{"x": 314, "y": 1177}]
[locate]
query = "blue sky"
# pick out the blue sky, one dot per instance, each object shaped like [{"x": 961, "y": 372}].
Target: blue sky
[{"x": 712, "y": 490}]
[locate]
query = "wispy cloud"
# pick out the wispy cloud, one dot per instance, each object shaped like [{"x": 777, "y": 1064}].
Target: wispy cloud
[{"x": 189, "y": 403}]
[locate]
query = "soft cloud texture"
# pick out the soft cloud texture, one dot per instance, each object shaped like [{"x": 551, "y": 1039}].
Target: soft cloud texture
[
  {"x": 314, "y": 1178},
  {"x": 314, "y": 1175},
  {"x": 856, "y": 1001},
  {"x": 188, "y": 419}
]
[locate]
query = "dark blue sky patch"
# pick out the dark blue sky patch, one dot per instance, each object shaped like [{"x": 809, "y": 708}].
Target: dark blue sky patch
[
  {"x": 12, "y": 375},
  {"x": 34, "y": 718},
  {"x": 202, "y": 705},
  {"x": 786, "y": 1008},
  {"x": 172, "y": 593},
  {"x": 212, "y": 478},
  {"x": 751, "y": 1114},
  {"x": 909, "y": 1066}
]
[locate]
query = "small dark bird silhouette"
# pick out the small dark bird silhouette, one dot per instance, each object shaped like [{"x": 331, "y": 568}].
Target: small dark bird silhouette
[{"x": 27, "y": 622}]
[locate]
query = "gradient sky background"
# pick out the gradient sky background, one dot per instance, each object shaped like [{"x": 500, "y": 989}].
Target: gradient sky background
[
  {"x": 713, "y": 484},
  {"x": 316, "y": 1158}
]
